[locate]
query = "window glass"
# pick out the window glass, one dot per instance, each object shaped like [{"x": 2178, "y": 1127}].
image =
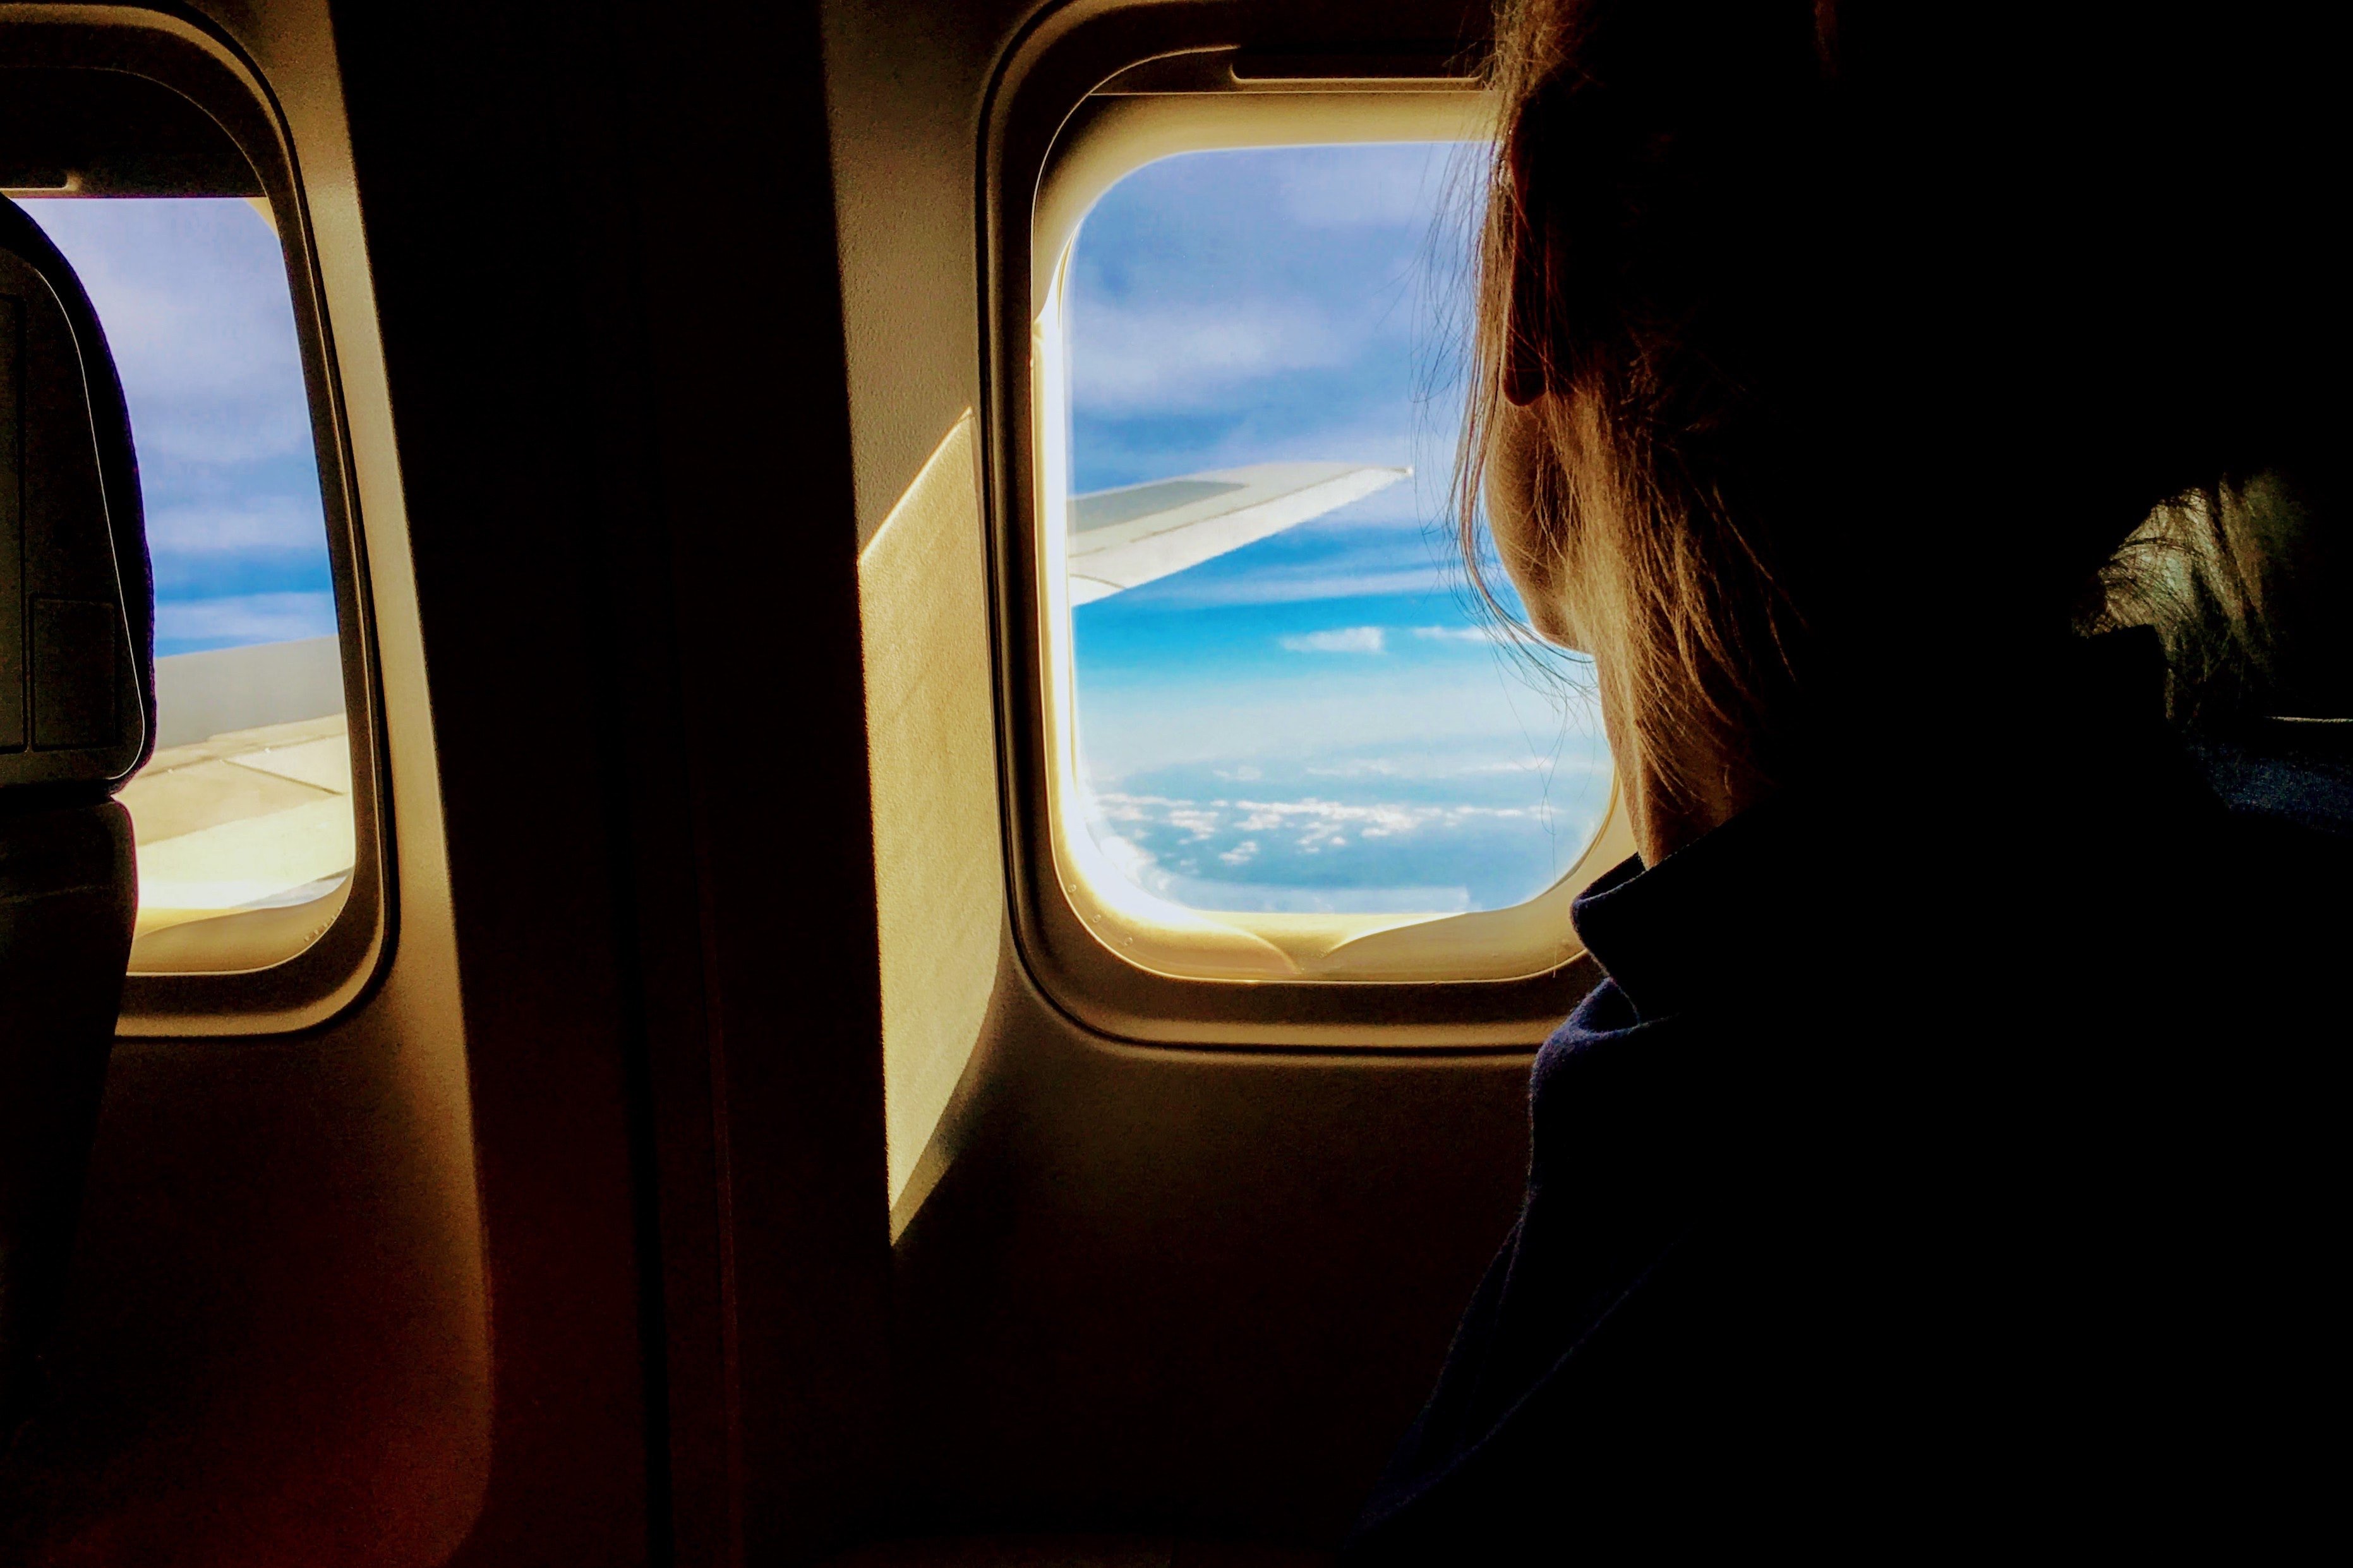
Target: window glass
[
  {"x": 1285, "y": 701},
  {"x": 247, "y": 802}
]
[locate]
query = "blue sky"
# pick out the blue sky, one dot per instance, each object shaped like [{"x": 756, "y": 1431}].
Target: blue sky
[
  {"x": 192, "y": 293},
  {"x": 1316, "y": 722}
]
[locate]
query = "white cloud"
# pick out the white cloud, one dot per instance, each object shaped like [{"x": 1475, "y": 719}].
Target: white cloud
[
  {"x": 262, "y": 524},
  {"x": 1276, "y": 587},
  {"x": 1343, "y": 640},
  {"x": 1427, "y": 715},
  {"x": 1413, "y": 185},
  {"x": 1195, "y": 822},
  {"x": 1318, "y": 821},
  {"x": 1134, "y": 861},
  {"x": 1454, "y": 634},
  {"x": 1170, "y": 358},
  {"x": 192, "y": 297},
  {"x": 1426, "y": 768},
  {"x": 1313, "y": 199},
  {"x": 240, "y": 619},
  {"x": 1538, "y": 765},
  {"x": 1309, "y": 852}
]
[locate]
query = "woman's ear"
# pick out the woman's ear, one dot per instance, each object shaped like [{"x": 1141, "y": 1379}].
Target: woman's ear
[{"x": 1525, "y": 356}]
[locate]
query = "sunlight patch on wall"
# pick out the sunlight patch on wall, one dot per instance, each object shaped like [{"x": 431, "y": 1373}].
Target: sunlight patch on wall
[{"x": 938, "y": 872}]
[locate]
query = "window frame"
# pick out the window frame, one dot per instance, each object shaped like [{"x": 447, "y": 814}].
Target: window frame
[
  {"x": 1080, "y": 107},
  {"x": 336, "y": 968}
]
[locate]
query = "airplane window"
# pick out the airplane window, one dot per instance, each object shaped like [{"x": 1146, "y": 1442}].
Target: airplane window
[
  {"x": 1285, "y": 702},
  {"x": 247, "y": 802}
]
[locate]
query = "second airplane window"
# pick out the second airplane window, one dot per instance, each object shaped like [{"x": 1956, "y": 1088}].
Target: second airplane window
[{"x": 1287, "y": 701}]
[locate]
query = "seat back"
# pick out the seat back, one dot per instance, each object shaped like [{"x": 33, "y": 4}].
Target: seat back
[{"x": 77, "y": 719}]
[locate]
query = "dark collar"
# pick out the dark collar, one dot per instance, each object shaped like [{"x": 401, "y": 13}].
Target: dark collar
[
  {"x": 1712, "y": 913},
  {"x": 1823, "y": 874}
]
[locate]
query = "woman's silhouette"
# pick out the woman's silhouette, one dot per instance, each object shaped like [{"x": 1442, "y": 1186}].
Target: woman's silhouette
[{"x": 1946, "y": 1157}]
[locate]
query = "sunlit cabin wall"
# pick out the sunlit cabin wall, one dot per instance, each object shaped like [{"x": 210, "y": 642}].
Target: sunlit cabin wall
[
  {"x": 568, "y": 1241},
  {"x": 604, "y": 236},
  {"x": 276, "y": 1342},
  {"x": 939, "y": 877},
  {"x": 905, "y": 88},
  {"x": 1164, "y": 1291}
]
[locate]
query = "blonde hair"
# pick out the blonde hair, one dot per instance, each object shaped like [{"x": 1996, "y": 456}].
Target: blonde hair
[
  {"x": 2212, "y": 572},
  {"x": 1844, "y": 387},
  {"x": 1648, "y": 558}
]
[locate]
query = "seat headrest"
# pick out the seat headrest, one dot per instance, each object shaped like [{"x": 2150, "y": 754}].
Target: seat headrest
[{"x": 77, "y": 598}]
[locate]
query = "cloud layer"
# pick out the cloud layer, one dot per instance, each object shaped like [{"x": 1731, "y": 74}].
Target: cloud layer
[
  {"x": 1341, "y": 639},
  {"x": 1393, "y": 836},
  {"x": 187, "y": 626}
]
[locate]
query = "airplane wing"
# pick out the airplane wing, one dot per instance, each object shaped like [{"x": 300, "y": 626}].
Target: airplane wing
[
  {"x": 1125, "y": 538},
  {"x": 247, "y": 802},
  {"x": 249, "y": 819}
]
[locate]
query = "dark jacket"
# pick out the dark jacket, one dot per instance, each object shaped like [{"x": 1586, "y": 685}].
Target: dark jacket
[{"x": 1947, "y": 1161}]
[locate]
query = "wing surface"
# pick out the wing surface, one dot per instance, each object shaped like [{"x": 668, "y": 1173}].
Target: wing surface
[
  {"x": 1125, "y": 538},
  {"x": 247, "y": 804}
]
